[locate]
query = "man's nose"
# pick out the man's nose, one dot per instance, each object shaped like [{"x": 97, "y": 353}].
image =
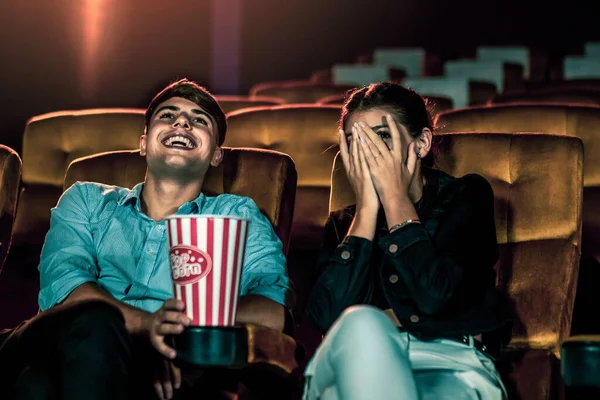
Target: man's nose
[{"x": 182, "y": 122}]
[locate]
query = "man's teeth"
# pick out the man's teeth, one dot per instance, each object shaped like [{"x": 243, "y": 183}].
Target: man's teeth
[{"x": 179, "y": 141}]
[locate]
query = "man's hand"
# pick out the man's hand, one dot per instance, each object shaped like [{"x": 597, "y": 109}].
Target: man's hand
[
  {"x": 166, "y": 379},
  {"x": 168, "y": 320}
]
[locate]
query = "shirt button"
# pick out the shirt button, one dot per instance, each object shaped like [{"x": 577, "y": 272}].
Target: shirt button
[
  {"x": 345, "y": 255},
  {"x": 393, "y": 248},
  {"x": 393, "y": 278},
  {"x": 150, "y": 251},
  {"x": 160, "y": 227},
  {"x": 414, "y": 318}
]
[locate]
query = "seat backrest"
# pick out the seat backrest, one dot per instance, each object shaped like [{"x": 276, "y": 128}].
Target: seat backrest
[
  {"x": 10, "y": 178},
  {"x": 463, "y": 91},
  {"x": 234, "y": 103},
  {"x": 513, "y": 54},
  {"x": 495, "y": 72},
  {"x": 52, "y": 141},
  {"x": 308, "y": 134},
  {"x": 243, "y": 172},
  {"x": 569, "y": 96},
  {"x": 538, "y": 206},
  {"x": 582, "y": 121},
  {"x": 411, "y": 60},
  {"x": 360, "y": 74},
  {"x": 298, "y": 91},
  {"x": 440, "y": 103},
  {"x": 578, "y": 120},
  {"x": 581, "y": 67}
]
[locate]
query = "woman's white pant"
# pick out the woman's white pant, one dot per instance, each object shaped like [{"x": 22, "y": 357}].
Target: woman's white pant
[{"x": 365, "y": 357}]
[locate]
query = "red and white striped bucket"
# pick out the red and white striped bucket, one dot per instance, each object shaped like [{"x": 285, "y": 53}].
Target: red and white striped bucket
[{"x": 207, "y": 255}]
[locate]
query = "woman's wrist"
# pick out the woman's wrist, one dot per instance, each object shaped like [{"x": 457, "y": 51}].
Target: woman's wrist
[
  {"x": 399, "y": 211},
  {"x": 364, "y": 223}
]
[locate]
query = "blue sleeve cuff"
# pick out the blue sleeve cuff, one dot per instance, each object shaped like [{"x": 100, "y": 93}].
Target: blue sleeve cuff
[
  {"x": 60, "y": 289},
  {"x": 272, "y": 286}
]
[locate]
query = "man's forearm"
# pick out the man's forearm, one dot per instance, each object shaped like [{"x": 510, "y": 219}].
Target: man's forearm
[
  {"x": 134, "y": 317},
  {"x": 259, "y": 310}
]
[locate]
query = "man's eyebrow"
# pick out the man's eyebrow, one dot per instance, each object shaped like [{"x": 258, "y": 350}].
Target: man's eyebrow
[
  {"x": 175, "y": 108},
  {"x": 200, "y": 112},
  {"x": 172, "y": 108}
]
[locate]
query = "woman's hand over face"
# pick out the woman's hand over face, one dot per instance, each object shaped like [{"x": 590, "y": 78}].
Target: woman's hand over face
[
  {"x": 392, "y": 175},
  {"x": 355, "y": 164}
]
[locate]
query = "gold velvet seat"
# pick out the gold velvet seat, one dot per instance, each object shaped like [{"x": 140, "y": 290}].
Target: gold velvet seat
[
  {"x": 50, "y": 143},
  {"x": 582, "y": 121},
  {"x": 234, "y": 103},
  {"x": 590, "y": 96},
  {"x": 298, "y": 91},
  {"x": 308, "y": 133},
  {"x": 440, "y": 103},
  {"x": 538, "y": 197},
  {"x": 242, "y": 172},
  {"x": 10, "y": 179}
]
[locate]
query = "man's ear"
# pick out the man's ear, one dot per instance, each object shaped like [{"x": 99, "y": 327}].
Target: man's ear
[
  {"x": 217, "y": 157},
  {"x": 143, "y": 145}
]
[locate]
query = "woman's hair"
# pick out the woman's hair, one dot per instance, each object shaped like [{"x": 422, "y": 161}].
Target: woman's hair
[
  {"x": 406, "y": 105},
  {"x": 196, "y": 94}
]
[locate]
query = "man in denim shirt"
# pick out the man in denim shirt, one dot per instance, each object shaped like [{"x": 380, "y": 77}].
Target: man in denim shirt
[{"x": 106, "y": 288}]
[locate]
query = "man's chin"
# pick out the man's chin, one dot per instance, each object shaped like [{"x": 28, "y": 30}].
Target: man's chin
[{"x": 178, "y": 167}]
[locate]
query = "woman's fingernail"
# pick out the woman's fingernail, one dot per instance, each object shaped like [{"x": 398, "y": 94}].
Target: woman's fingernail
[{"x": 361, "y": 123}]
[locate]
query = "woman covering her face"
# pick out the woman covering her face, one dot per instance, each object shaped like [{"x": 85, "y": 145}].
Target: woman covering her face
[{"x": 406, "y": 289}]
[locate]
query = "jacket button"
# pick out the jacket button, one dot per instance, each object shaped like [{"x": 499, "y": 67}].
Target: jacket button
[
  {"x": 393, "y": 248},
  {"x": 393, "y": 278},
  {"x": 345, "y": 255},
  {"x": 414, "y": 318}
]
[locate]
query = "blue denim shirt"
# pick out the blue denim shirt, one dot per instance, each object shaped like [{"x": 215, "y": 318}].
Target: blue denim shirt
[{"x": 99, "y": 234}]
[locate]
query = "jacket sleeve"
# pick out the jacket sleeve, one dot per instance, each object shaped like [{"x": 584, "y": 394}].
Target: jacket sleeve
[
  {"x": 342, "y": 276},
  {"x": 436, "y": 270}
]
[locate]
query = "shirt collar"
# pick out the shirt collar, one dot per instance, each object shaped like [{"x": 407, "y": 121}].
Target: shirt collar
[{"x": 191, "y": 207}]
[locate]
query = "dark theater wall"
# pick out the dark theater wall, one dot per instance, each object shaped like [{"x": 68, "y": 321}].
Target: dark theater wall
[
  {"x": 290, "y": 39},
  {"x": 63, "y": 54},
  {"x": 73, "y": 54}
]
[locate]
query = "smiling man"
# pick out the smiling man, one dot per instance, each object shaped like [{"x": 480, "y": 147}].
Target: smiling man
[{"x": 106, "y": 290}]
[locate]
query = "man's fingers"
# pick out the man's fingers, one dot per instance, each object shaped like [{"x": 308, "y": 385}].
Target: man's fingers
[
  {"x": 158, "y": 388},
  {"x": 169, "y": 329},
  {"x": 162, "y": 348},
  {"x": 173, "y": 304},
  {"x": 166, "y": 380},
  {"x": 176, "y": 375},
  {"x": 174, "y": 317}
]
